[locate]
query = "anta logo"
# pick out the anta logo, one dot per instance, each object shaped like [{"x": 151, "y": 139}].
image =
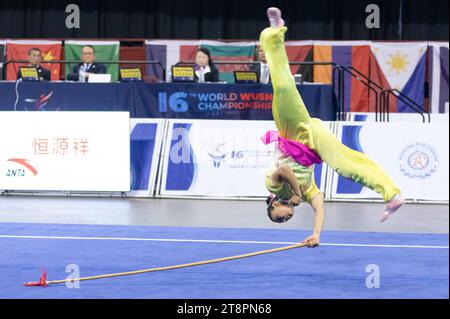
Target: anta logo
[
  {"x": 20, "y": 172},
  {"x": 15, "y": 172}
]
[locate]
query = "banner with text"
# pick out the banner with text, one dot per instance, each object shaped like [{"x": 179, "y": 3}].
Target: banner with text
[
  {"x": 222, "y": 101},
  {"x": 65, "y": 151},
  {"x": 219, "y": 158},
  {"x": 416, "y": 160}
]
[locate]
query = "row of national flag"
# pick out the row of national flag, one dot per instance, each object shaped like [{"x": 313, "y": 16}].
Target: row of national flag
[
  {"x": 53, "y": 51},
  {"x": 393, "y": 65},
  {"x": 403, "y": 66}
]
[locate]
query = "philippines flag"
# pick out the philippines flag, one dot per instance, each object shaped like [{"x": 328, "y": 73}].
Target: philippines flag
[{"x": 400, "y": 66}]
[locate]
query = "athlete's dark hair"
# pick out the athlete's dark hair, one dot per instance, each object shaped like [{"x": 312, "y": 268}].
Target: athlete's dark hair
[{"x": 270, "y": 208}]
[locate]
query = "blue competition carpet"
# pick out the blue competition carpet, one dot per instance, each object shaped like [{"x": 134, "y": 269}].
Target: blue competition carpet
[{"x": 410, "y": 265}]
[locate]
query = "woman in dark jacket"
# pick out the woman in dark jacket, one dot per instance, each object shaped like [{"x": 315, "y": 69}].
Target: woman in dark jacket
[{"x": 205, "y": 70}]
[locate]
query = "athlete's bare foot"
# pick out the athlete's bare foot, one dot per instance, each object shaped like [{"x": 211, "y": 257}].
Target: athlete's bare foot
[
  {"x": 274, "y": 15},
  {"x": 391, "y": 206}
]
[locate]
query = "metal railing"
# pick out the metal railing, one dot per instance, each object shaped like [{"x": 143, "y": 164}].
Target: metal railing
[
  {"x": 405, "y": 99},
  {"x": 382, "y": 103},
  {"x": 382, "y": 100}
]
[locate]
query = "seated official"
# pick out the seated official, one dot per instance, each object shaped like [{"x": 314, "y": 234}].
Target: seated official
[
  {"x": 261, "y": 69},
  {"x": 205, "y": 70},
  {"x": 82, "y": 71},
  {"x": 34, "y": 59}
]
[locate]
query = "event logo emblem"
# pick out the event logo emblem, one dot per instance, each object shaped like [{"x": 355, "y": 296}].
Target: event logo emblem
[
  {"x": 12, "y": 172},
  {"x": 418, "y": 160},
  {"x": 218, "y": 153},
  {"x": 41, "y": 102}
]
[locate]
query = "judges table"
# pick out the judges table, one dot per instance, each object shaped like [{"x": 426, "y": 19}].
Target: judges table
[{"x": 162, "y": 100}]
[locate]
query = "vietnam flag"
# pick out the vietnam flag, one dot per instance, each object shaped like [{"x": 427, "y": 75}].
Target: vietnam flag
[
  {"x": 18, "y": 50},
  {"x": 345, "y": 53}
]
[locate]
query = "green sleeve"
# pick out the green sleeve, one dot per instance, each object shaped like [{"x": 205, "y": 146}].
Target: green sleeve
[{"x": 311, "y": 192}]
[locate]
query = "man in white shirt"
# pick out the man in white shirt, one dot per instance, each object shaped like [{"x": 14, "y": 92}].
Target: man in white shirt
[
  {"x": 262, "y": 69},
  {"x": 81, "y": 71}
]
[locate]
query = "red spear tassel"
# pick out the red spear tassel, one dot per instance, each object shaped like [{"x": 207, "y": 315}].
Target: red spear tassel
[{"x": 42, "y": 281}]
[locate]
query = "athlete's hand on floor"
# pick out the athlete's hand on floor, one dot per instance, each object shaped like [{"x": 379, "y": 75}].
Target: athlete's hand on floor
[{"x": 312, "y": 241}]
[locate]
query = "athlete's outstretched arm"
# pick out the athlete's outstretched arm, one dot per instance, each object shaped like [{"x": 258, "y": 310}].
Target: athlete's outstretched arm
[{"x": 319, "y": 216}]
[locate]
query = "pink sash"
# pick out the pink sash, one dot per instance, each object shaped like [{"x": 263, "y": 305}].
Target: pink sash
[{"x": 300, "y": 152}]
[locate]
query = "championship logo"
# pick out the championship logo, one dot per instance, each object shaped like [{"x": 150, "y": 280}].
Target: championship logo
[{"x": 217, "y": 153}]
